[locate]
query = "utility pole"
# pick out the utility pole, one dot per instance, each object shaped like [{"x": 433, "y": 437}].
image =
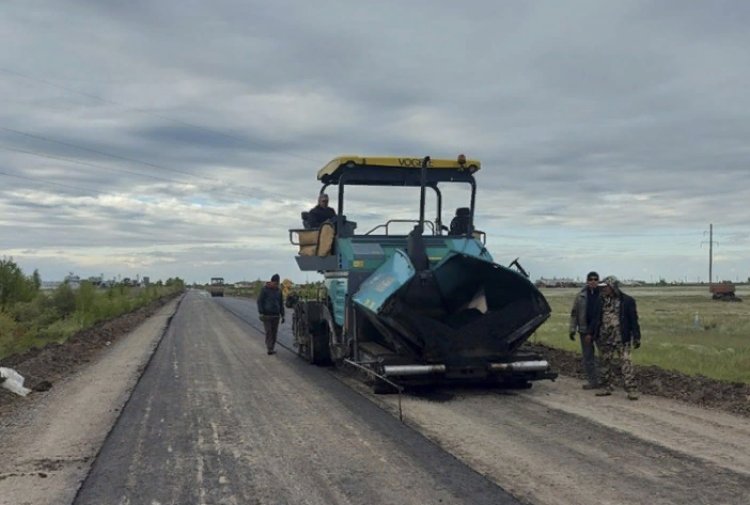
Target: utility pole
[{"x": 710, "y": 254}]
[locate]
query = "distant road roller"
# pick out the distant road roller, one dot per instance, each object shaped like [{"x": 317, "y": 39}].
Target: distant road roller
[
  {"x": 427, "y": 306},
  {"x": 216, "y": 288}
]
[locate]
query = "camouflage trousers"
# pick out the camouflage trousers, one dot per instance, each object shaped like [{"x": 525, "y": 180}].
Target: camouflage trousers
[{"x": 613, "y": 358}]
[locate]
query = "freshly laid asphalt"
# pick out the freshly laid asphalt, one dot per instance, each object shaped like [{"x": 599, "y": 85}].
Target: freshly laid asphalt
[{"x": 214, "y": 419}]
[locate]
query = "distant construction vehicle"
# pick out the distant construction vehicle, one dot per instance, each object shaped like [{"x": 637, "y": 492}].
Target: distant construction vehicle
[
  {"x": 724, "y": 291},
  {"x": 216, "y": 288}
]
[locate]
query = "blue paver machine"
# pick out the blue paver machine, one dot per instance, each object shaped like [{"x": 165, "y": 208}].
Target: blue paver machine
[{"x": 425, "y": 307}]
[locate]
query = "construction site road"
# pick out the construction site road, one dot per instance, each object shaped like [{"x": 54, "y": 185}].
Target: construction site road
[
  {"x": 559, "y": 444},
  {"x": 215, "y": 420}
]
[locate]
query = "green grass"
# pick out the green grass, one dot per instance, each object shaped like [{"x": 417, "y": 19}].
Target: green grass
[
  {"x": 719, "y": 347},
  {"x": 56, "y": 316}
]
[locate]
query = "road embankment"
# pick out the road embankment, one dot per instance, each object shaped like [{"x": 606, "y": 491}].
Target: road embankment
[
  {"x": 43, "y": 367},
  {"x": 49, "y": 439}
]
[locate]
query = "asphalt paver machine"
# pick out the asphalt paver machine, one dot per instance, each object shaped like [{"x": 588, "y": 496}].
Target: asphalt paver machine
[{"x": 429, "y": 306}]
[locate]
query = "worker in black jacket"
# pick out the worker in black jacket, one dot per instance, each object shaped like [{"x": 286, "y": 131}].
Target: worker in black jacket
[
  {"x": 320, "y": 213},
  {"x": 271, "y": 310},
  {"x": 581, "y": 321},
  {"x": 616, "y": 332}
]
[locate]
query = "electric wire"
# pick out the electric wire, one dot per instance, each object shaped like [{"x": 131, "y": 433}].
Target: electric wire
[
  {"x": 153, "y": 114},
  {"x": 101, "y": 153},
  {"x": 92, "y": 165},
  {"x": 51, "y": 183},
  {"x": 235, "y": 189},
  {"x": 117, "y": 169},
  {"x": 97, "y": 194}
]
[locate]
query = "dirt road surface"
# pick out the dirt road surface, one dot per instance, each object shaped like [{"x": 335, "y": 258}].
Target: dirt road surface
[{"x": 215, "y": 420}]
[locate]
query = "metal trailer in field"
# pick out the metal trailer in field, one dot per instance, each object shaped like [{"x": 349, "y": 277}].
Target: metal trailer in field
[
  {"x": 427, "y": 307},
  {"x": 723, "y": 291}
]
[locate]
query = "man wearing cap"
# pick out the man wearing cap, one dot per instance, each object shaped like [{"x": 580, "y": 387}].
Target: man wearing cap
[
  {"x": 616, "y": 332},
  {"x": 581, "y": 319},
  {"x": 321, "y": 212},
  {"x": 271, "y": 310}
]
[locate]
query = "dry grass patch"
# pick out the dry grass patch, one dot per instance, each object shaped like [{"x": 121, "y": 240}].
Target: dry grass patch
[{"x": 682, "y": 329}]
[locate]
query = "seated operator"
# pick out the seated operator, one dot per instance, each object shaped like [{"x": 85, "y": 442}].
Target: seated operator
[
  {"x": 320, "y": 213},
  {"x": 461, "y": 223}
]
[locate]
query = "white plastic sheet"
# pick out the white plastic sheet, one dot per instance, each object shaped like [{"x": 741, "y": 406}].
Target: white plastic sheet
[{"x": 13, "y": 381}]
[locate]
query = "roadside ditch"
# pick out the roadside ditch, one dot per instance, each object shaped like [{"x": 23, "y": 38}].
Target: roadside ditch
[{"x": 42, "y": 367}]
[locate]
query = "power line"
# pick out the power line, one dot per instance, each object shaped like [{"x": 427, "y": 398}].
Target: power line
[
  {"x": 101, "y": 153},
  {"x": 92, "y": 165},
  {"x": 117, "y": 169},
  {"x": 102, "y": 167},
  {"x": 132, "y": 160},
  {"x": 68, "y": 186},
  {"x": 637, "y": 235},
  {"x": 153, "y": 114},
  {"x": 95, "y": 193}
]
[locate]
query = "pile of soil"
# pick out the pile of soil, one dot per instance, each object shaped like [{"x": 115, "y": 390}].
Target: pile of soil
[
  {"x": 42, "y": 367},
  {"x": 730, "y": 396}
]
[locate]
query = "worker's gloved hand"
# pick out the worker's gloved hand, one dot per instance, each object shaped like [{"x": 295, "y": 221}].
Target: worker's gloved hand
[
  {"x": 572, "y": 335},
  {"x": 636, "y": 344}
]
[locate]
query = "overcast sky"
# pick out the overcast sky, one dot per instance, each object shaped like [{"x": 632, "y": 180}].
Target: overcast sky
[{"x": 183, "y": 137}]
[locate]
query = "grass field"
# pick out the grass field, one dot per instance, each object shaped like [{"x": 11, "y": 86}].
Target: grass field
[
  {"x": 56, "y": 316},
  {"x": 718, "y": 346}
]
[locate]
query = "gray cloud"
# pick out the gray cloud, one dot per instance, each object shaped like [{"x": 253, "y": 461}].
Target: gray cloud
[{"x": 611, "y": 134}]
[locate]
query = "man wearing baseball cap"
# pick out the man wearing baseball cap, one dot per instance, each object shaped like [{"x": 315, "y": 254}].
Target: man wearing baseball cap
[{"x": 616, "y": 332}]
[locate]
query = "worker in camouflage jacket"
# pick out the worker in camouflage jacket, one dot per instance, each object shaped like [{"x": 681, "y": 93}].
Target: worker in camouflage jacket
[
  {"x": 616, "y": 332},
  {"x": 271, "y": 310}
]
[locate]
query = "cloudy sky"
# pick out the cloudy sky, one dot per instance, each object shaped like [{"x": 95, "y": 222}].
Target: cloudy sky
[{"x": 183, "y": 137}]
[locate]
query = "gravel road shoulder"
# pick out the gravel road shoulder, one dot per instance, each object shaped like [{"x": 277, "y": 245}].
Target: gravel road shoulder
[
  {"x": 558, "y": 444},
  {"x": 49, "y": 444}
]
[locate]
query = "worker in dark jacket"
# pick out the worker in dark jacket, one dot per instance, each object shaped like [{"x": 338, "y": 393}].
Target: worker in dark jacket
[
  {"x": 320, "y": 213},
  {"x": 271, "y": 310},
  {"x": 581, "y": 318},
  {"x": 616, "y": 332}
]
